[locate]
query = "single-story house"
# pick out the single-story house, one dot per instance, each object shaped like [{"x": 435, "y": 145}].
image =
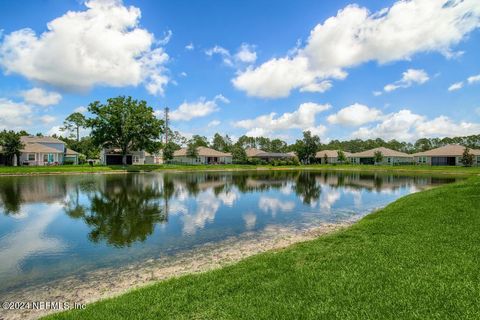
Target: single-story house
[
  {"x": 332, "y": 156},
  {"x": 205, "y": 156},
  {"x": 39, "y": 151},
  {"x": 113, "y": 156},
  {"x": 267, "y": 156},
  {"x": 390, "y": 157},
  {"x": 449, "y": 155}
]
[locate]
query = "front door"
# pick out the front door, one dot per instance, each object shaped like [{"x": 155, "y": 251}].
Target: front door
[{"x": 50, "y": 158}]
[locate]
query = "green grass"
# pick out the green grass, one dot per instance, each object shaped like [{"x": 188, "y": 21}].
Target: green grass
[
  {"x": 137, "y": 168},
  {"x": 419, "y": 258}
]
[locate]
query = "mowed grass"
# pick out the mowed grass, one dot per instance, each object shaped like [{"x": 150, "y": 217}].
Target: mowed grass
[
  {"x": 147, "y": 168},
  {"x": 419, "y": 258}
]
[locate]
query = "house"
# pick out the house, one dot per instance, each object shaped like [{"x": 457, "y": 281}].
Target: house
[
  {"x": 39, "y": 151},
  {"x": 113, "y": 156},
  {"x": 390, "y": 157},
  {"x": 331, "y": 155},
  {"x": 205, "y": 156},
  {"x": 267, "y": 156},
  {"x": 449, "y": 155}
]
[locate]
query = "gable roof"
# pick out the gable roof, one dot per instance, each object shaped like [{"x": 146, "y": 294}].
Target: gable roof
[
  {"x": 70, "y": 152},
  {"x": 251, "y": 152},
  {"x": 40, "y": 148},
  {"x": 330, "y": 154},
  {"x": 254, "y": 152},
  {"x": 385, "y": 152},
  {"x": 202, "y": 151},
  {"x": 35, "y": 139},
  {"x": 450, "y": 150}
]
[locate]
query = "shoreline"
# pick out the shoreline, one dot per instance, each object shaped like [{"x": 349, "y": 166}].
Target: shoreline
[{"x": 111, "y": 282}]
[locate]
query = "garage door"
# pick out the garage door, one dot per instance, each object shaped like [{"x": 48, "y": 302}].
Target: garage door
[{"x": 114, "y": 159}]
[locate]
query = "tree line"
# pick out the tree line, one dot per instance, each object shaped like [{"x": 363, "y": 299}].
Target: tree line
[{"x": 128, "y": 124}]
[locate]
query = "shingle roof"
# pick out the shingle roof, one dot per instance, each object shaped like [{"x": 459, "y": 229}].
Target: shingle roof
[
  {"x": 330, "y": 154},
  {"x": 71, "y": 152},
  {"x": 38, "y": 147},
  {"x": 251, "y": 152},
  {"x": 202, "y": 151},
  {"x": 254, "y": 152},
  {"x": 35, "y": 139},
  {"x": 450, "y": 150},
  {"x": 385, "y": 152}
]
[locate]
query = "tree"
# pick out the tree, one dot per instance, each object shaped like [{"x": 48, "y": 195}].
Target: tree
[
  {"x": 307, "y": 147},
  {"x": 325, "y": 159},
  {"x": 73, "y": 123},
  {"x": 168, "y": 151},
  {"x": 378, "y": 156},
  {"x": 11, "y": 145},
  {"x": 467, "y": 158},
  {"x": 192, "y": 151},
  {"x": 238, "y": 154},
  {"x": 199, "y": 141},
  {"x": 341, "y": 156},
  {"x": 124, "y": 123}
]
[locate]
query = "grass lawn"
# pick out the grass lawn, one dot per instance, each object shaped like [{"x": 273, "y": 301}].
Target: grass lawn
[
  {"x": 137, "y": 168},
  {"x": 419, "y": 258}
]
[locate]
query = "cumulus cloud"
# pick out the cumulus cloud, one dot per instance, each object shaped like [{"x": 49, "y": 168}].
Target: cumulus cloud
[
  {"x": 355, "y": 115},
  {"x": 473, "y": 79},
  {"x": 40, "y": 97},
  {"x": 409, "y": 77},
  {"x": 200, "y": 108},
  {"x": 303, "y": 118},
  {"x": 355, "y": 36},
  {"x": 46, "y": 119},
  {"x": 456, "y": 86},
  {"x": 102, "y": 45},
  {"x": 14, "y": 115},
  {"x": 407, "y": 126},
  {"x": 245, "y": 55},
  {"x": 81, "y": 109},
  {"x": 213, "y": 123}
]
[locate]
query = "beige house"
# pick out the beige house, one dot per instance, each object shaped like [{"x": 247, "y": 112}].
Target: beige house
[
  {"x": 267, "y": 156},
  {"x": 205, "y": 156},
  {"x": 39, "y": 151},
  {"x": 332, "y": 156},
  {"x": 113, "y": 156},
  {"x": 390, "y": 157},
  {"x": 449, "y": 155}
]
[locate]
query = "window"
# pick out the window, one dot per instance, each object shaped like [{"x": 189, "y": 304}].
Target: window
[
  {"x": 31, "y": 157},
  {"x": 45, "y": 158},
  {"x": 478, "y": 160},
  {"x": 389, "y": 160},
  {"x": 135, "y": 159}
]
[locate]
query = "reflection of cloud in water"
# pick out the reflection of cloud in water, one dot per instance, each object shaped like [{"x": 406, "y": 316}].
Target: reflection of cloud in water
[
  {"x": 328, "y": 198},
  {"x": 228, "y": 197},
  {"x": 287, "y": 189},
  {"x": 273, "y": 205},
  {"x": 30, "y": 239},
  {"x": 357, "y": 197},
  {"x": 250, "y": 220}
]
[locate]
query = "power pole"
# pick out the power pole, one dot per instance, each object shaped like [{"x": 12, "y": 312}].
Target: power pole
[{"x": 166, "y": 125}]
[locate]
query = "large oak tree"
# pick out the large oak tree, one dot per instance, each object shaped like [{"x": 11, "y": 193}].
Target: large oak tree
[{"x": 125, "y": 123}]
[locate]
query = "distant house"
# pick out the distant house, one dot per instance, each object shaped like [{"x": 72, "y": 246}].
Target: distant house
[
  {"x": 268, "y": 156},
  {"x": 332, "y": 156},
  {"x": 205, "y": 156},
  {"x": 40, "y": 151},
  {"x": 390, "y": 157},
  {"x": 449, "y": 155},
  {"x": 113, "y": 156}
]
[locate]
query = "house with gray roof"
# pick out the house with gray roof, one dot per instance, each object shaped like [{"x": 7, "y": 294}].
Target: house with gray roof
[
  {"x": 449, "y": 155},
  {"x": 40, "y": 151},
  {"x": 267, "y": 156}
]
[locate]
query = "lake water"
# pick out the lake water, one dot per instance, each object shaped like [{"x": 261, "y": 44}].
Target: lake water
[{"x": 55, "y": 226}]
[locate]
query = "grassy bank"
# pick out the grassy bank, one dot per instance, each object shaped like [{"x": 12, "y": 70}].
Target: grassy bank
[
  {"x": 417, "y": 258},
  {"x": 139, "y": 168}
]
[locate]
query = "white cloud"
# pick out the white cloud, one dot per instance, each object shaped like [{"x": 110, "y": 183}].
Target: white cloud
[
  {"x": 377, "y": 93},
  {"x": 46, "y": 119},
  {"x": 40, "y": 97},
  {"x": 456, "y": 86},
  {"x": 409, "y": 77},
  {"x": 355, "y": 115},
  {"x": 213, "y": 123},
  {"x": 473, "y": 79},
  {"x": 221, "y": 51},
  {"x": 189, "y": 110},
  {"x": 102, "y": 45},
  {"x": 321, "y": 86},
  {"x": 355, "y": 36},
  {"x": 405, "y": 125},
  {"x": 190, "y": 46},
  {"x": 302, "y": 118},
  {"x": 14, "y": 115},
  {"x": 246, "y": 54},
  {"x": 183, "y": 74},
  {"x": 81, "y": 109}
]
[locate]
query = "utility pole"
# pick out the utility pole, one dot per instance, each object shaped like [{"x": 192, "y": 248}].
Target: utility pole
[{"x": 166, "y": 125}]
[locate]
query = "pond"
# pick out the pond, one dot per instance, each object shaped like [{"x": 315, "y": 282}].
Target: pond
[{"x": 56, "y": 226}]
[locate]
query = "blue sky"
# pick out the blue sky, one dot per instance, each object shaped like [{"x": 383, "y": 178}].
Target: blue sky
[{"x": 343, "y": 69}]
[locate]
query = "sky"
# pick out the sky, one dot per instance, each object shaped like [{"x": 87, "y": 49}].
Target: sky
[{"x": 341, "y": 69}]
